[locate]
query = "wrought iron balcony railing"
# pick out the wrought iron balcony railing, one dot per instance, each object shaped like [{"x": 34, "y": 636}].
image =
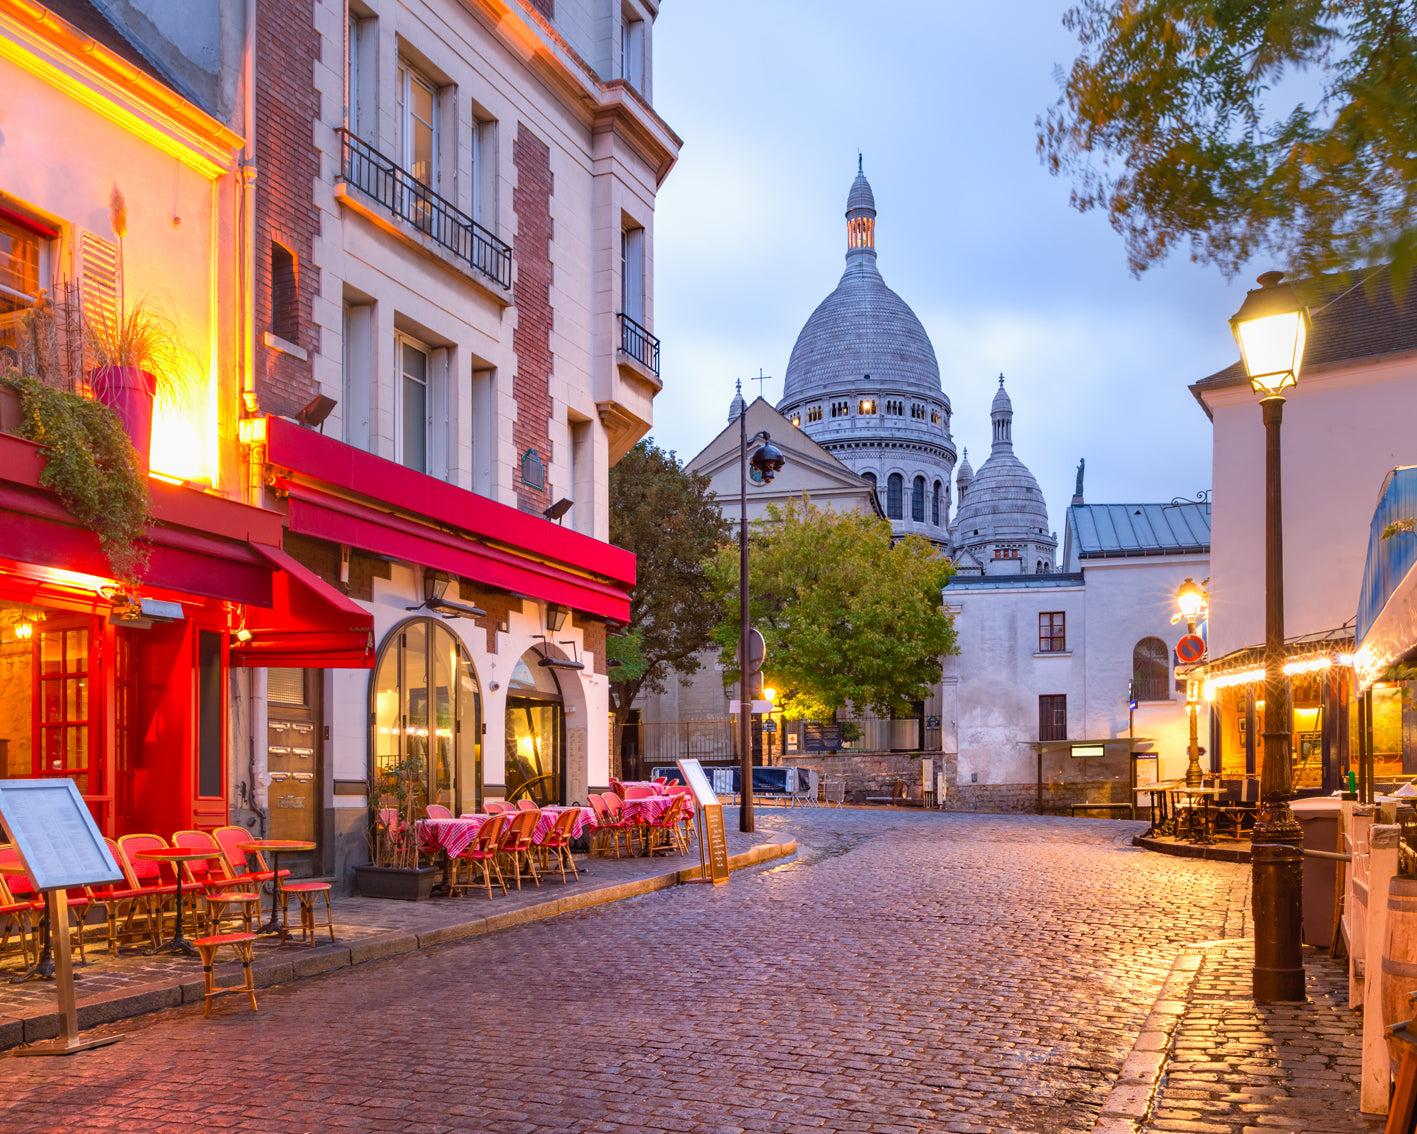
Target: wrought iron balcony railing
[
  {"x": 424, "y": 210},
  {"x": 639, "y": 344}
]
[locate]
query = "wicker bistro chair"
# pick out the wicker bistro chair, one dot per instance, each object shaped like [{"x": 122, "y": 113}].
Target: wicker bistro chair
[
  {"x": 631, "y": 828},
  {"x": 437, "y": 811},
  {"x": 517, "y": 844},
  {"x": 1239, "y": 803},
  {"x": 606, "y": 827},
  {"x": 20, "y": 892},
  {"x": 498, "y": 807},
  {"x": 483, "y": 850},
  {"x": 16, "y": 915},
  {"x": 223, "y": 894},
  {"x": 230, "y": 840},
  {"x": 638, "y": 793},
  {"x": 527, "y": 805},
  {"x": 156, "y": 882},
  {"x": 306, "y": 893},
  {"x": 558, "y": 842},
  {"x": 666, "y": 833}
]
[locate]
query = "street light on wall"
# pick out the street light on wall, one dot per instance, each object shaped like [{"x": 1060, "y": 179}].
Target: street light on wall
[
  {"x": 766, "y": 462},
  {"x": 1272, "y": 327}
]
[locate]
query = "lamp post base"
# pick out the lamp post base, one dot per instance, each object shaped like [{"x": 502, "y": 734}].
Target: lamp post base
[{"x": 1278, "y": 973}]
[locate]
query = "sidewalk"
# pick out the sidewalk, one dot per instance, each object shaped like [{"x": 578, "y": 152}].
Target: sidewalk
[
  {"x": 113, "y": 988},
  {"x": 1211, "y": 1061}
]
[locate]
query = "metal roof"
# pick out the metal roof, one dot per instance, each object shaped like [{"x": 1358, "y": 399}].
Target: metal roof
[{"x": 1102, "y": 531}]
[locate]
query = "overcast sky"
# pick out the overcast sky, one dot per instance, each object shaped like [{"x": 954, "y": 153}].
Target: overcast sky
[{"x": 773, "y": 100}]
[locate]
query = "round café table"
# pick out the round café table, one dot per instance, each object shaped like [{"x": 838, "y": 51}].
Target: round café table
[
  {"x": 178, "y": 942},
  {"x": 277, "y": 847}
]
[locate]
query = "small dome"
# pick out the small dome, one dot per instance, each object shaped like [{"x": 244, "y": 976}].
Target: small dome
[
  {"x": 966, "y": 471},
  {"x": 1001, "y": 403},
  {"x": 860, "y": 199},
  {"x": 738, "y": 405}
]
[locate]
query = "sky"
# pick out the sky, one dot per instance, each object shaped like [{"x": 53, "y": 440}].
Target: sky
[{"x": 773, "y": 99}]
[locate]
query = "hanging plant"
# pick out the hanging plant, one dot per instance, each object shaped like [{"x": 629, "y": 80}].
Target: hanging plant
[{"x": 90, "y": 464}]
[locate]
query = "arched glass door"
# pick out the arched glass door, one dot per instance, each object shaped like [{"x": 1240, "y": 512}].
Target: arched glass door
[
  {"x": 426, "y": 714},
  {"x": 536, "y": 734}
]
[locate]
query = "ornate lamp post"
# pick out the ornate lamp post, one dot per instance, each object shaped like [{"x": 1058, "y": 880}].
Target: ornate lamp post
[
  {"x": 1191, "y": 600},
  {"x": 1271, "y": 327},
  {"x": 765, "y": 463}
]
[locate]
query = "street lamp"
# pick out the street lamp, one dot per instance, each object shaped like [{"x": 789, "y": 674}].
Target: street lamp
[
  {"x": 1271, "y": 327},
  {"x": 1191, "y": 600},
  {"x": 765, "y": 463}
]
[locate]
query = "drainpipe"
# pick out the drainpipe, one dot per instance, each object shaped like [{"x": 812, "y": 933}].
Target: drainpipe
[{"x": 256, "y": 455}]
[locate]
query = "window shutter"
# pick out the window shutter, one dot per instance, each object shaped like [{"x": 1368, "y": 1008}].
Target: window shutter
[{"x": 96, "y": 270}]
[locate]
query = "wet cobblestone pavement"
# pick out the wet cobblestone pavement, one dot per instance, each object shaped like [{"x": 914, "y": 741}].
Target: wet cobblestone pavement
[{"x": 905, "y": 972}]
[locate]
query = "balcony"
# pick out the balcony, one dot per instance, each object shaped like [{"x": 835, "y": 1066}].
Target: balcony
[
  {"x": 425, "y": 211},
  {"x": 639, "y": 344}
]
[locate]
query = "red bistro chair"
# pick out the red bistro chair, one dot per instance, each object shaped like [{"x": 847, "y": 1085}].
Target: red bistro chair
[
  {"x": 517, "y": 845},
  {"x": 230, "y": 840},
  {"x": 437, "y": 811},
  {"x": 616, "y": 823},
  {"x": 486, "y": 845},
  {"x": 156, "y": 881},
  {"x": 558, "y": 842},
  {"x": 498, "y": 807},
  {"x": 527, "y": 805},
  {"x": 214, "y": 878},
  {"x": 22, "y": 892}
]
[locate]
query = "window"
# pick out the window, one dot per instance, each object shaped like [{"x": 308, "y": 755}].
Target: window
[
  {"x": 917, "y": 411},
  {"x": 868, "y": 406},
  {"x": 935, "y": 503},
  {"x": 814, "y": 413},
  {"x": 1151, "y": 670},
  {"x": 632, "y": 273},
  {"x": 841, "y": 409},
  {"x": 797, "y": 419},
  {"x": 359, "y": 70},
  {"x": 19, "y": 277},
  {"x": 1004, "y": 552},
  {"x": 917, "y": 500},
  {"x": 358, "y": 374},
  {"x": 936, "y": 416},
  {"x": 1053, "y": 717},
  {"x": 895, "y": 494},
  {"x": 480, "y": 170},
  {"x": 427, "y": 717},
  {"x": 412, "y": 405},
  {"x": 418, "y": 126},
  {"x": 285, "y": 294},
  {"x": 1051, "y": 636},
  {"x": 632, "y": 51}
]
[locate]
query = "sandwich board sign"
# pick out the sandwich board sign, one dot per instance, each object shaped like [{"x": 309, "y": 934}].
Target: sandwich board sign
[
  {"x": 59, "y": 846},
  {"x": 713, "y": 839}
]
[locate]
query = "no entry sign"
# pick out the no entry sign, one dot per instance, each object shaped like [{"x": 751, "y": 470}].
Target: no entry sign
[{"x": 1191, "y": 648}]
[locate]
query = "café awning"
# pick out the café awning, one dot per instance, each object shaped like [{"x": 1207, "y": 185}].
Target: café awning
[{"x": 310, "y": 623}]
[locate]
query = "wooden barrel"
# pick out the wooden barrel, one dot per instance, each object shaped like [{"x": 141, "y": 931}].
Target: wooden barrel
[{"x": 1399, "y": 967}]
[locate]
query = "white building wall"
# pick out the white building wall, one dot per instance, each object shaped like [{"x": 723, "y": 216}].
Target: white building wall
[{"x": 1344, "y": 429}]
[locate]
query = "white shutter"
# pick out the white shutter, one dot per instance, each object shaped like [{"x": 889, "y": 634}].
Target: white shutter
[{"x": 96, "y": 272}]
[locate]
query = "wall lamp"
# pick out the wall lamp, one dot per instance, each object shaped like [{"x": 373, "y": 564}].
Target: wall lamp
[{"x": 435, "y": 589}]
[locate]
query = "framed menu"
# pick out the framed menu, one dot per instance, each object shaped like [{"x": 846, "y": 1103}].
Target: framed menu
[
  {"x": 713, "y": 840},
  {"x": 57, "y": 840},
  {"x": 698, "y": 781}
]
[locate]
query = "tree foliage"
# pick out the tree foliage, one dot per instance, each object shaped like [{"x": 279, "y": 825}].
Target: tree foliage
[
  {"x": 1175, "y": 119},
  {"x": 668, "y": 518},
  {"x": 848, "y": 618}
]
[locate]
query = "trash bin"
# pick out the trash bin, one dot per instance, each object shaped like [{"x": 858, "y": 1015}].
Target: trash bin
[{"x": 1318, "y": 818}]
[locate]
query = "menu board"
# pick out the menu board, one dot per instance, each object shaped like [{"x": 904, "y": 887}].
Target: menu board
[
  {"x": 55, "y": 835},
  {"x": 717, "y": 841},
  {"x": 697, "y": 779}
]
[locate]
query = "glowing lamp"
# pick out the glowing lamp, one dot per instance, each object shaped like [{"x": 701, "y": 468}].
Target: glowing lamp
[
  {"x": 1190, "y": 598},
  {"x": 251, "y": 430},
  {"x": 769, "y": 694},
  {"x": 1271, "y": 327},
  {"x": 24, "y": 631}
]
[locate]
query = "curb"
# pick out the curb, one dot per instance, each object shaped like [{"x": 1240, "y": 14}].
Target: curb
[
  {"x": 1192, "y": 850},
  {"x": 1129, "y": 1102},
  {"x": 105, "y": 1009}
]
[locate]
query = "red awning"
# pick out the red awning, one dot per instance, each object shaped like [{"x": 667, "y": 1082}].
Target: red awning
[
  {"x": 338, "y": 520},
  {"x": 311, "y": 624}
]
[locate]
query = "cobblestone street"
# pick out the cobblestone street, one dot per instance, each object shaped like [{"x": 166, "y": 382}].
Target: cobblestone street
[{"x": 905, "y": 972}]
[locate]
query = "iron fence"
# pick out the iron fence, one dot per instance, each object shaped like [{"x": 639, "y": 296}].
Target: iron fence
[
  {"x": 414, "y": 203},
  {"x": 639, "y": 344}
]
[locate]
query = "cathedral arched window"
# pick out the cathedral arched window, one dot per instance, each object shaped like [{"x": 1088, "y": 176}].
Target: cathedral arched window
[
  {"x": 917, "y": 500},
  {"x": 1151, "y": 670},
  {"x": 895, "y": 496},
  {"x": 871, "y": 477},
  {"x": 935, "y": 503}
]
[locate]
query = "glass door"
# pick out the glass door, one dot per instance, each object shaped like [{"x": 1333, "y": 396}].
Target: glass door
[{"x": 63, "y": 703}]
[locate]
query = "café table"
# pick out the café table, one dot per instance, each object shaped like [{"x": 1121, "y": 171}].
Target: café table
[
  {"x": 277, "y": 847},
  {"x": 1160, "y": 818},
  {"x": 178, "y": 942},
  {"x": 1195, "y": 802}
]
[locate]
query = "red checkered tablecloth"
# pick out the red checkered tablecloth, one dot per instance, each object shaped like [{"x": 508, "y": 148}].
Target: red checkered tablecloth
[
  {"x": 549, "y": 815},
  {"x": 652, "y": 808},
  {"x": 451, "y": 835},
  {"x": 658, "y": 789}
]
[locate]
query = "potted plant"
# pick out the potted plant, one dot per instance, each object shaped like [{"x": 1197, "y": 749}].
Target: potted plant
[
  {"x": 395, "y": 870},
  {"x": 132, "y": 350}
]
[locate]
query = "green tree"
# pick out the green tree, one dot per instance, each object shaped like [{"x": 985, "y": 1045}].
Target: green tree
[
  {"x": 668, "y": 518},
  {"x": 1179, "y": 117},
  {"x": 848, "y": 617}
]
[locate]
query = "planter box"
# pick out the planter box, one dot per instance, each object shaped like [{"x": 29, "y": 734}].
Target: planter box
[{"x": 402, "y": 883}]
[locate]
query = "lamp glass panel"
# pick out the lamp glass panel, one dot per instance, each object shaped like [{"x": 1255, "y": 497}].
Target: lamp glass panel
[
  {"x": 1189, "y": 602},
  {"x": 1273, "y": 347}
]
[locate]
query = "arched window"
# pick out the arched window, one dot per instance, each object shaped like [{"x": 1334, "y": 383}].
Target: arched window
[
  {"x": 427, "y": 709},
  {"x": 895, "y": 496},
  {"x": 917, "y": 500},
  {"x": 1151, "y": 670},
  {"x": 935, "y": 503}
]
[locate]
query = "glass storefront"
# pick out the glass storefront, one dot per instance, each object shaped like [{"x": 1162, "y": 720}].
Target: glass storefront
[
  {"x": 427, "y": 709},
  {"x": 536, "y": 734}
]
